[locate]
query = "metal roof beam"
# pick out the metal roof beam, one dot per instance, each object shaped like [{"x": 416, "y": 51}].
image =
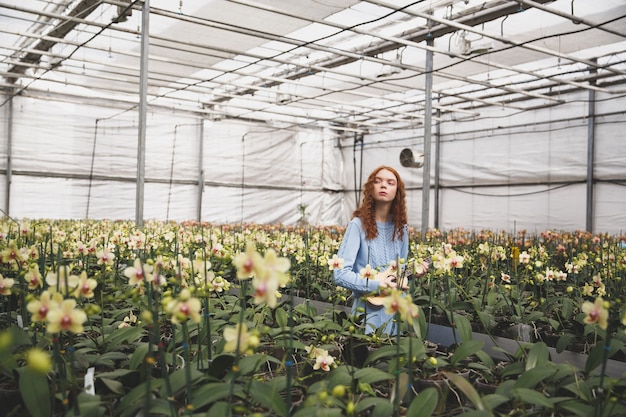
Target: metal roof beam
[{"x": 83, "y": 8}]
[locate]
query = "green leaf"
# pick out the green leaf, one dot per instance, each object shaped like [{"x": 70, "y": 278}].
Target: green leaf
[
  {"x": 563, "y": 342},
  {"x": 577, "y": 408},
  {"x": 595, "y": 358},
  {"x": 567, "y": 308},
  {"x": 486, "y": 319},
  {"x": 534, "y": 316},
  {"x": 492, "y": 298},
  {"x": 123, "y": 336},
  {"x": 531, "y": 378},
  {"x": 492, "y": 401},
  {"x": 538, "y": 356},
  {"x": 35, "y": 392},
  {"x": 220, "y": 409},
  {"x": 367, "y": 402},
  {"x": 413, "y": 344},
  {"x": 581, "y": 389},
  {"x": 109, "y": 358},
  {"x": 267, "y": 395},
  {"x": 160, "y": 407},
  {"x": 340, "y": 375},
  {"x": 383, "y": 409},
  {"x": 383, "y": 352},
  {"x": 533, "y": 397},
  {"x": 178, "y": 380},
  {"x": 221, "y": 365},
  {"x": 464, "y": 327},
  {"x": 400, "y": 386},
  {"x": 466, "y": 349},
  {"x": 134, "y": 399},
  {"x": 282, "y": 319},
  {"x": 139, "y": 356},
  {"x": 424, "y": 404},
  {"x": 316, "y": 411},
  {"x": 466, "y": 387},
  {"x": 419, "y": 324},
  {"x": 476, "y": 413},
  {"x": 114, "y": 386},
  {"x": 513, "y": 369},
  {"x": 372, "y": 375},
  {"x": 210, "y": 393},
  {"x": 365, "y": 388},
  {"x": 307, "y": 309},
  {"x": 118, "y": 373},
  {"x": 485, "y": 358},
  {"x": 90, "y": 405},
  {"x": 251, "y": 364}
]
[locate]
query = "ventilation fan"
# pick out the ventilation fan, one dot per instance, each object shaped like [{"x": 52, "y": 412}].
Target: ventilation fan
[{"x": 407, "y": 159}]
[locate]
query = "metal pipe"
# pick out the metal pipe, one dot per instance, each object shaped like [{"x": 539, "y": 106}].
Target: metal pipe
[
  {"x": 200, "y": 170},
  {"x": 575, "y": 19},
  {"x": 296, "y": 188},
  {"x": 437, "y": 169},
  {"x": 9, "y": 173},
  {"x": 591, "y": 122},
  {"x": 143, "y": 92},
  {"x": 208, "y": 23},
  {"x": 307, "y": 69},
  {"x": 60, "y": 31},
  {"x": 412, "y": 43},
  {"x": 503, "y": 39},
  {"x": 427, "y": 136}
]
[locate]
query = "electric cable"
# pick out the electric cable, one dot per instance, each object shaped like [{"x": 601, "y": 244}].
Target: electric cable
[
  {"x": 169, "y": 190},
  {"x": 91, "y": 167},
  {"x": 509, "y": 195},
  {"x": 18, "y": 91}
]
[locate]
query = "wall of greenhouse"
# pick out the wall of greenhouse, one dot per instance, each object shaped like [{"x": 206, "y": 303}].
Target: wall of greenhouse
[
  {"x": 510, "y": 171},
  {"x": 513, "y": 171}
]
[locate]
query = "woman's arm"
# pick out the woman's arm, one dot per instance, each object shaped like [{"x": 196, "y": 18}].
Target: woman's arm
[{"x": 353, "y": 250}]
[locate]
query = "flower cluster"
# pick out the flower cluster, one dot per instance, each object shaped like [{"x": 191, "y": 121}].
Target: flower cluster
[
  {"x": 183, "y": 307},
  {"x": 322, "y": 358},
  {"x": 240, "y": 339},
  {"x": 269, "y": 273},
  {"x": 397, "y": 302},
  {"x": 58, "y": 313}
]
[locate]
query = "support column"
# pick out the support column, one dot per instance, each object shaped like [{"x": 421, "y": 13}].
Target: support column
[
  {"x": 200, "y": 170},
  {"x": 591, "y": 126},
  {"x": 428, "y": 109},
  {"x": 143, "y": 92},
  {"x": 437, "y": 166},
  {"x": 9, "y": 175}
]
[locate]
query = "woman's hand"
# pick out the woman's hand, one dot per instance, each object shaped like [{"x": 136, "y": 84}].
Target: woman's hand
[
  {"x": 386, "y": 278},
  {"x": 388, "y": 281}
]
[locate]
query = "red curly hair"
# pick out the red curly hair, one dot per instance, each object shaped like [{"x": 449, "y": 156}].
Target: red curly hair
[{"x": 398, "y": 207}]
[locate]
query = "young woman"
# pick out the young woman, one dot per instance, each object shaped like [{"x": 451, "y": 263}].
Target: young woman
[{"x": 376, "y": 236}]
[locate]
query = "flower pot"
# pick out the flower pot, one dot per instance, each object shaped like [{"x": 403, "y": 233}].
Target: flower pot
[
  {"x": 485, "y": 387},
  {"x": 431, "y": 347},
  {"x": 10, "y": 397},
  {"x": 449, "y": 394},
  {"x": 522, "y": 333}
]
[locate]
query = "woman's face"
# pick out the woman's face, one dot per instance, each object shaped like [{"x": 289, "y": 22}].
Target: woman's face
[{"x": 385, "y": 186}]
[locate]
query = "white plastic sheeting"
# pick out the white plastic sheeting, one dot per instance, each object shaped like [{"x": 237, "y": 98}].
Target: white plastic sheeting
[
  {"x": 525, "y": 171},
  {"x": 311, "y": 62},
  {"x": 80, "y": 161},
  {"x": 507, "y": 172}
]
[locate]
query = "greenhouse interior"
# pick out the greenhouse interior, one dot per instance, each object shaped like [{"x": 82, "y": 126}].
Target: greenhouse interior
[{"x": 207, "y": 206}]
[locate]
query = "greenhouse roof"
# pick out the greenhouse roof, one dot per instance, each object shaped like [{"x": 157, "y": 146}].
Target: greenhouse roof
[{"x": 355, "y": 66}]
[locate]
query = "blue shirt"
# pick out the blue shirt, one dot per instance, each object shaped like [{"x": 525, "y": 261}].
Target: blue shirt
[{"x": 357, "y": 252}]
